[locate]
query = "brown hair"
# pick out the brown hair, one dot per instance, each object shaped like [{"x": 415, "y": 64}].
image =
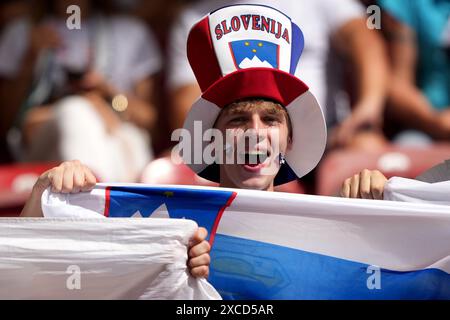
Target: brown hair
[{"x": 253, "y": 103}]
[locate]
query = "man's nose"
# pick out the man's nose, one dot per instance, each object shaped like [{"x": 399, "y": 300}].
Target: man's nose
[
  {"x": 256, "y": 123},
  {"x": 258, "y": 127}
]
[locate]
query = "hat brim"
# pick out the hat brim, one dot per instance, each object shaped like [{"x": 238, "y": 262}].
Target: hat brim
[{"x": 309, "y": 133}]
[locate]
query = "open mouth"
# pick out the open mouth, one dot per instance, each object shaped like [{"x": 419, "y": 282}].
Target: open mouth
[{"x": 254, "y": 158}]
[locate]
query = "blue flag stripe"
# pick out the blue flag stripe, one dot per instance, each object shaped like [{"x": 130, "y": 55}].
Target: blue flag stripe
[
  {"x": 203, "y": 206},
  {"x": 248, "y": 269}
]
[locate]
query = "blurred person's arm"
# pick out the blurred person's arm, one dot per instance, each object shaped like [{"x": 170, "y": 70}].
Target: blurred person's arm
[
  {"x": 182, "y": 99},
  {"x": 139, "y": 109},
  {"x": 182, "y": 85},
  {"x": 12, "y": 93},
  {"x": 15, "y": 88},
  {"x": 407, "y": 103},
  {"x": 366, "y": 51},
  {"x": 146, "y": 63}
]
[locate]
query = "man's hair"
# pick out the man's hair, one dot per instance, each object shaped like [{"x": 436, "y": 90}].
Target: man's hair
[{"x": 257, "y": 103}]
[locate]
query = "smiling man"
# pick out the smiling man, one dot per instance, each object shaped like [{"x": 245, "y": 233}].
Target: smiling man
[
  {"x": 254, "y": 165},
  {"x": 249, "y": 91}
]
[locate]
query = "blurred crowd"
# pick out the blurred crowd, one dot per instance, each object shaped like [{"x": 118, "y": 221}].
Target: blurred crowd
[{"x": 110, "y": 94}]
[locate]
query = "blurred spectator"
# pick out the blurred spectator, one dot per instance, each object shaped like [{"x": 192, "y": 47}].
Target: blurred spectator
[
  {"x": 160, "y": 15},
  {"x": 419, "y": 43},
  {"x": 12, "y": 9},
  {"x": 330, "y": 27},
  {"x": 87, "y": 91}
]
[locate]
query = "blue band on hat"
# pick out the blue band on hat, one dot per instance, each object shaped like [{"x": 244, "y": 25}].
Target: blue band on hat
[{"x": 298, "y": 43}]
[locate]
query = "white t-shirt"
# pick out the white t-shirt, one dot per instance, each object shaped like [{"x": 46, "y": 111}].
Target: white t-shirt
[
  {"x": 318, "y": 20},
  {"x": 121, "y": 48}
]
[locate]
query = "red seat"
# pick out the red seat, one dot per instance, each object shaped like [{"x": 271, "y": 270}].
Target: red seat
[
  {"x": 16, "y": 182},
  {"x": 164, "y": 171},
  {"x": 393, "y": 161}
]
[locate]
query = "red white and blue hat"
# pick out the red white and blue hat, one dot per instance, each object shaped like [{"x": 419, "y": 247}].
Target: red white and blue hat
[{"x": 252, "y": 51}]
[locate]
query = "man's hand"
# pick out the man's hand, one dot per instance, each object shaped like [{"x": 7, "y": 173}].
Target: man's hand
[
  {"x": 68, "y": 177},
  {"x": 199, "y": 258},
  {"x": 366, "y": 185}
]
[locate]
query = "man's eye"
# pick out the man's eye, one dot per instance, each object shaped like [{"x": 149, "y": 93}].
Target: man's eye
[
  {"x": 271, "y": 120},
  {"x": 237, "y": 120}
]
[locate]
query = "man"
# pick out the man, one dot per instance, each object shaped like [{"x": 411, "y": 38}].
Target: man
[
  {"x": 331, "y": 29},
  {"x": 246, "y": 72},
  {"x": 244, "y": 58},
  {"x": 255, "y": 114}
]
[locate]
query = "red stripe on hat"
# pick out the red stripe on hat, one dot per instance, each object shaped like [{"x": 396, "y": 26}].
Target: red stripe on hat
[
  {"x": 201, "y": 55},
  {"x": 266, "y": 83}
]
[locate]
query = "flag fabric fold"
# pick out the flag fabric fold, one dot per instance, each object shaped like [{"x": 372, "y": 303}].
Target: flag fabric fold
[{"x": 92, "y": 258}]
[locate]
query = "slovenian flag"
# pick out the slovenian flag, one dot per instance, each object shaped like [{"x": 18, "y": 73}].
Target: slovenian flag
[{"x": 288, "y": 246}]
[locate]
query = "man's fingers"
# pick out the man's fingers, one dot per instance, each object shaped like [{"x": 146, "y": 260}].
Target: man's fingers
[
  {"x": 44, "y": 180},
  {"x": 89, "y": 179},
  {"x": 365, "y": 184},
  {"x": 201, "y": 260},
  {"x": 378, "y": 183},
  {"x": 78, "y": 179},
  {"x": 199, "y": 235},
  {"x": 345, "y": 190},
  {"x": 68, "y": 177},
  {"x": 200, "y": 272},
  {"x": 67, "y": 184},
  {"x": 56, "y": 179},
  {"x": 354, "y": 187},
  {"x": 199, "y": 249}
]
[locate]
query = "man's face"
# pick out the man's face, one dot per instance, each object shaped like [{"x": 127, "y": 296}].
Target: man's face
[{"x": 260, "y": 132}]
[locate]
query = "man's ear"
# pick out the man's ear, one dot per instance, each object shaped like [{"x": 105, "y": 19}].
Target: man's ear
[{"x": 289, "y": 144}]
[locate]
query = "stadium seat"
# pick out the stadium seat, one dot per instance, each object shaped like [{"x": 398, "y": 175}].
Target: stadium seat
[
  {"x": 164, "y": 171},
  {"x": 393, "y": 161},
  {"x": 16, "y": 182}
]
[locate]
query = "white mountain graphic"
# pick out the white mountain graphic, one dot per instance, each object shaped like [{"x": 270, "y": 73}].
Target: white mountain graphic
[
  {"x": 161, "y": 212},
  {"x": 137, "y": 214},
  {"x": 254, "y": 63}
]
